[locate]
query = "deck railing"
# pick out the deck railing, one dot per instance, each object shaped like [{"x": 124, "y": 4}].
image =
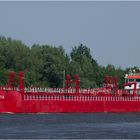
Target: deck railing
[
  {"x": 79, "y": 98},
  {"x": 94, "y": 91},
  {"x": 5, "y": 88}
]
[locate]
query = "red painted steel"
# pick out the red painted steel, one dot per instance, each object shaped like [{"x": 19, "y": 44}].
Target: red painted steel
[{"x": 45, "y": 100}]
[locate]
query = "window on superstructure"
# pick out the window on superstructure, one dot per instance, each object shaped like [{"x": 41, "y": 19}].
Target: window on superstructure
[
  {"x": 137, "y": 80},
  {"x": 131, "y": 80}
]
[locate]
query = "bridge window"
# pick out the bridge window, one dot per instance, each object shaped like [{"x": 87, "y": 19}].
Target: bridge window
[
  {"x": 137, "y": 80},
  {"x": 131, "y": 80}
]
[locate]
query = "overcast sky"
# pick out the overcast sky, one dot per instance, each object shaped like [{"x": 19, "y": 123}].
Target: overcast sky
[{"x": 110, "y": 29}]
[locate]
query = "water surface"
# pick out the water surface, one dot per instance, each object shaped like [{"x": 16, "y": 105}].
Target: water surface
[{"x": 83, "y": 125}]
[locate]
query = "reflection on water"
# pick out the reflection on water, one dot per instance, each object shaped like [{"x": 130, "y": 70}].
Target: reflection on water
[{"x": 88, "y": 125}]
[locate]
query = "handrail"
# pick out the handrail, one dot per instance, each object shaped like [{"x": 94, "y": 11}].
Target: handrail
[{"x": 94, "y": 91}]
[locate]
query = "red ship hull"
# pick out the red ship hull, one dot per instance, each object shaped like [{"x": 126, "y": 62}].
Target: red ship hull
[
  {"x": 67, "y": 100},
  {"x": 14, "y": 102}
]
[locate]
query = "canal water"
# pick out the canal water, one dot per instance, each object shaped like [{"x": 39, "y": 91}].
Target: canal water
[{"x": 67, "y": 126}]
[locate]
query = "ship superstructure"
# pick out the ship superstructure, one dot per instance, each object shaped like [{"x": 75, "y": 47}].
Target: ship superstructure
[{"x": 133, "y": 77}]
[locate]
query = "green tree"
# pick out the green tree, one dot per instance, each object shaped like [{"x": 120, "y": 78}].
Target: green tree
[
  {"x": 85, "y": 65},
  {"x": 44, "y": 64}
]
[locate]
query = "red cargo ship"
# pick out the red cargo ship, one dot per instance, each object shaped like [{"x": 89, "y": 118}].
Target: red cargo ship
[{"x": 108, "y": 98}]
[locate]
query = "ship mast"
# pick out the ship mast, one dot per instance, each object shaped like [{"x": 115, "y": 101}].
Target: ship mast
[{"x": 63, "y": 78}]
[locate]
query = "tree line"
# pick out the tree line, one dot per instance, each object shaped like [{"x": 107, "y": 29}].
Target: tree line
[{"x": 45, "y": 65}]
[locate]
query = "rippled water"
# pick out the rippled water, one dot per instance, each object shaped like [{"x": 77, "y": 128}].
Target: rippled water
[{"x": 88, "y": 125}]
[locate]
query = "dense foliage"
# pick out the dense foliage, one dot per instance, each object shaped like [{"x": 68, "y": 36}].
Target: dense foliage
[{"x": 45, "y": 65}]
